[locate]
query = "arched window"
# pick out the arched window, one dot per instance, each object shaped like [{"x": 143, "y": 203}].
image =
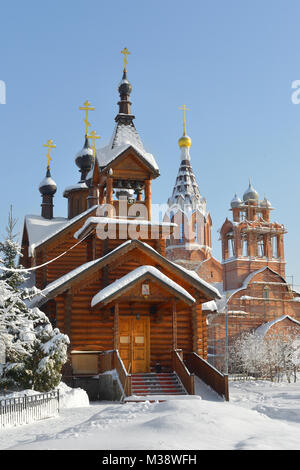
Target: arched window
[
  {"x": 260, "y": 247},
  {"x": 274, "y": 247},
  {"x": 230, "y": 245},
  {"x": 266, "y": 292},
  {"x": 244, "y": 247},
  {"x": 181, "y": 233},
  {"x": 195, "y": 232}
]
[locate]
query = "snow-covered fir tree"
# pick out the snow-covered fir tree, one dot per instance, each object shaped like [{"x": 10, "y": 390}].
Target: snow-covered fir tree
[
  {"x": 35, "y": 352},
  {"x": 10, "y": 254}
]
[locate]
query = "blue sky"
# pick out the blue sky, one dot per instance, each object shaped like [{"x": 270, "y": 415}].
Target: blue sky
[{"x": 231, "y": 62}]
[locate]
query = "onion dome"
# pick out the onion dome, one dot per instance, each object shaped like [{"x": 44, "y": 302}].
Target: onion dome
[
  {"x": 185, "y": 141},
  {"x": 125, "y": 87},
  {"x": 265, "y": 203},
  {"x": 236, "y": 202},
  {"x": 84, "y": 159},
  {"x": 250, "y": 194},
  {"x": 48, "y": 185}
]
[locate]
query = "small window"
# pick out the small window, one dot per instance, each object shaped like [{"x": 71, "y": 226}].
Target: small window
[
  {"x": 181, "y": 233},
  {"x": 195, "y": 231},
  {"x": 266, "y": 292},
  {"x": 261, "y": 250},
  {"x": 244, "y": 247}
]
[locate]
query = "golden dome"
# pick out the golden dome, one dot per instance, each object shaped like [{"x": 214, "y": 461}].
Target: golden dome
[{"x": 185, "y": 141}]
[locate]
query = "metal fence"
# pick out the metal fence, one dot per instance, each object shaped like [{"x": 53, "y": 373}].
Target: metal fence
[{"x": 27, "y": 409}]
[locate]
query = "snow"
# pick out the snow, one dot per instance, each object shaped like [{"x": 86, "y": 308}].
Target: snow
[
  {"x": 75, "y": 187},
  {"x": 41, "y": 230},
  {"x": 68, "y": 397},
  {"x": 47, "y": 181},
  {"x": 110, "y": 220},
  {"x": 124, "y": 136},
  {"x": 133, "y": 276},
  {"x": 84, "y": 151},
  {"x": 72, "y": 397},
  {"x": 264, "y": 328},
  {"x": 260, "y": 416},
  {"x": 211, "y": 306}
]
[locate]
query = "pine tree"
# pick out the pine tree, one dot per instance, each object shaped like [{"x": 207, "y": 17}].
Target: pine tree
[
  {"x": 10, "y": 252},
  {"x": 35, "y": 352}
]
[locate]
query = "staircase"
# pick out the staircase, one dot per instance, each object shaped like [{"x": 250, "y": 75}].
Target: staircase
[{"x": 156, "y": 384}]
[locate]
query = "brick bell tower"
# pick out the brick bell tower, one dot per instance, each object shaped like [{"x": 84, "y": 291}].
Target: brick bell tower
[
  {"x": 190, "y": 243},
  {"x": 250, "y": 241}
]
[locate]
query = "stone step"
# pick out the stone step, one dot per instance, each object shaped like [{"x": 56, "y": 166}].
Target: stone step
[{"x": 156, "y": 384}]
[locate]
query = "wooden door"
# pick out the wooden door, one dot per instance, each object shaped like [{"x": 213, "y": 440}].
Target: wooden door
[{"x": 134, "y": 343}]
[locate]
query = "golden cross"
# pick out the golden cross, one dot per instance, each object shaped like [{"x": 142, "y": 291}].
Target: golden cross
[
  {"x": 86, "y": 107},
  {"x": 50, "y": 146},
  {"x": 94, "y": 136},
  {"x": 184, "y": 109},
  {"x": 125, "y": 51}
]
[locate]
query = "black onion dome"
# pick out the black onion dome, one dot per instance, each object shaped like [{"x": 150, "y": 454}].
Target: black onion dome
[
  {"x": 48, "y": 185},
  {"x": 84, "y": 158},
  {"x": 125, "y": 87}
]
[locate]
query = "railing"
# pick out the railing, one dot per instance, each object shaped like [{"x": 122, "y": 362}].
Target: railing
[
  {"x": 27, "y": 409},
  {"x": 110, "y": 360},
  {"x": 206, "y": 372},
  {"x": 187, "y": 379},
  {"x": 124, "y": 377}
]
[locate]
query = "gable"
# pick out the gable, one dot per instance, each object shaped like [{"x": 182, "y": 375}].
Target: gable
[
  {"x": 119, "y": 255},
  {"x": 267, "y": 275},
  {"x": 131, "y": 282},
  {"x": 109, "y": 157},
  {"x": 284, "y": 326},
  {"x": 41, "y": 231},
  {"x": 130, "y": 163}
]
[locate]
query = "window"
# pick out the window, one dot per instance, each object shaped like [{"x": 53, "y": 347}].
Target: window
[
  {"x": 244, "y": 247},
  {"x": 195, "y": 232},
  {"x": 181, "y": 233},
  {"x": 260, "y": 247},
  {"x": 230, "y": 245},
  {"x": 274, "y": 247},
  {"x": 85, "y": 363},
  {"x": 266, "y": 292}
]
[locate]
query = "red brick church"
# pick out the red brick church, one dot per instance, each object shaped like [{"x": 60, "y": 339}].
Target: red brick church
[{"x": 250, "y": 277}]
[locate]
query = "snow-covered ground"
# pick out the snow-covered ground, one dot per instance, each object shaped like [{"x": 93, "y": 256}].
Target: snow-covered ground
[{"x": 260, "y": 415}]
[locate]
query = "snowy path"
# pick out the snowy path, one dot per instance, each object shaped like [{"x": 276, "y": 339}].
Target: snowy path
[{"x": 260, "y": 415}]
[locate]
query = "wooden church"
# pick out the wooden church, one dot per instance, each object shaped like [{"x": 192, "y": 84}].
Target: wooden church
[{"x": 104, "y": 277}]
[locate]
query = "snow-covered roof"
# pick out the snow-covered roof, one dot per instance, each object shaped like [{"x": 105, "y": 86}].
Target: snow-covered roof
[
  {"x": 124, "y": 137},
  {"x": 227, "y": 295},
  {"x": 210, "y": 306},
  {"x": 75, "y": 187},
  {"x": 264, "y": 328},
  {"x": 114, "y": 221},
  {"x": 186, "y": 192},
  {"x": 134, "y": 276},
  {"x": 40, "y": 230},
  {"x": 47, "y": 181}
]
